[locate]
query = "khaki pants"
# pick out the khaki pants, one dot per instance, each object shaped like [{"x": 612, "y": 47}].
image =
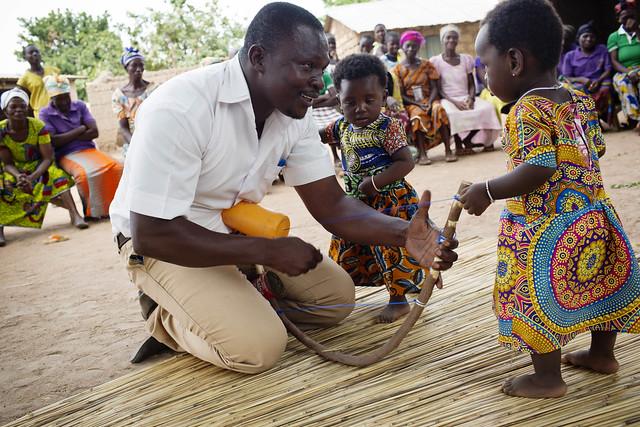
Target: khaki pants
[{"x": 218, "y": 316}]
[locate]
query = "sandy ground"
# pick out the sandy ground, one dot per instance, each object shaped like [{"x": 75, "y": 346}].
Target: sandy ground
[{"x": 69, "y": 319}]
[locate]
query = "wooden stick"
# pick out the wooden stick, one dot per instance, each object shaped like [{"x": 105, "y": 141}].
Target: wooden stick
[{"x": 378, "y": 354}]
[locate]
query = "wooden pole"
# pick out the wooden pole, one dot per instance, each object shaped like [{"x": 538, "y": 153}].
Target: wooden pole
[{"x": 379, "y": 353}]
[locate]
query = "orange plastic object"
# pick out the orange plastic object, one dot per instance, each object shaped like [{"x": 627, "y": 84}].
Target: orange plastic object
[{"x": 252, "y": 219}]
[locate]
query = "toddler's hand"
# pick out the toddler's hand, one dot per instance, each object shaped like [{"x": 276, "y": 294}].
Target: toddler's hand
[
  {"x": 366, "y": 187},
  {"x": 475, "y": 199}
]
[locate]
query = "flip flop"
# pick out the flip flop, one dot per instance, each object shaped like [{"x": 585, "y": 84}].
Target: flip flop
[{"x": 450, "y": 158}]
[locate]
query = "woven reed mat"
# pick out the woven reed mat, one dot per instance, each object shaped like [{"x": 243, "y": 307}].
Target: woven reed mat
[{"x": 448, "y": 371}]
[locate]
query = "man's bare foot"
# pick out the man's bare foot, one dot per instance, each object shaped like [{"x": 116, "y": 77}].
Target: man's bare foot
[
  {"x": 535, "y": 386},
  {"x": 584, "y": 359}
]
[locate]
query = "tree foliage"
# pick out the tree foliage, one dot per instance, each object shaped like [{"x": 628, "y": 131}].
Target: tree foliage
[
  {"x": 182, "y": 36},
  {"x": 77, "y": 43}
]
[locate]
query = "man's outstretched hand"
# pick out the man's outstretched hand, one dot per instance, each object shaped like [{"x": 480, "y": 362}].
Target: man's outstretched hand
[{"x": 422, "y": 240}]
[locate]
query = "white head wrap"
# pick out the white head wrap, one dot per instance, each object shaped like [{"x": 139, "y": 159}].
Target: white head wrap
[
  {"x": 13, "y": 93},
  {"x": 448, "y": 29}
]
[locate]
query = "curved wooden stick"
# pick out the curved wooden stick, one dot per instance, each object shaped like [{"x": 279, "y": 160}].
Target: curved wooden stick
[{"x": 379, "y": 354}]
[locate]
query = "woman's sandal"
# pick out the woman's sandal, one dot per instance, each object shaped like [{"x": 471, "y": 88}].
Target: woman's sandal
[
  {"x": 424, "y": 161},
  {"x": 465, "y": 151}
]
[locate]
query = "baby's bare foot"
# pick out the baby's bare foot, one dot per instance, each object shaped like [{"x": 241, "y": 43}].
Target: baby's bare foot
[
  {"x": 585, "y": 359},
  {"x": 535, "y": 386},
  {"x": 392, "y": 312}
]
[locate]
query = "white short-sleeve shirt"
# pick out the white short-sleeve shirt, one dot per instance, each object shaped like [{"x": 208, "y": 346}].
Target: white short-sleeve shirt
[{"x": 196, "y": 151}]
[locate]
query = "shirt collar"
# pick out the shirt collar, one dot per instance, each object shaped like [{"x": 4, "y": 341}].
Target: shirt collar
[
  {"x": 234, "y": 86},
  {"x": 622, "y": 31},
  {"x": 53, "y": 111}
]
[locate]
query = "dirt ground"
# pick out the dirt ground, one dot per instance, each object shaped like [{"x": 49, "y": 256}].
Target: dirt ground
[{"x": 69, "y": 319}]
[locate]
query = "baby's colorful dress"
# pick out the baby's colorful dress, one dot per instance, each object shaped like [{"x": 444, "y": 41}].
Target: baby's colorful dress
[
  {"x": 565, "y": 264},
  {"x": 367, "y": 152}
]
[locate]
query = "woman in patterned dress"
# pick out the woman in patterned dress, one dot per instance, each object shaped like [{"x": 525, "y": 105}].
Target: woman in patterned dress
[
  {"x": 126, "y": 100},
  {"x": 31, "y": 179},
  {"x": 565, "y": 264},
  {"x": 418, "y": 80},
  {"x": 376, "y": 158}
]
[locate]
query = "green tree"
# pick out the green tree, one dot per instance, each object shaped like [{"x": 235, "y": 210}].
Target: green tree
[
  {"x": 182, "y": 36},
  {"x": 342, "y": 2},
  {"x": 75, "y": 43}
]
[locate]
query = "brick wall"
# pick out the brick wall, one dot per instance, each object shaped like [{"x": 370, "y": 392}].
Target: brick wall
[{"x": 99, "y": 94}]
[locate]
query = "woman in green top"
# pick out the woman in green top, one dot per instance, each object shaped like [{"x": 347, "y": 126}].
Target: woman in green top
[
  {"x": 624, "y": 49},
  {"x": 30, "y": 179}
]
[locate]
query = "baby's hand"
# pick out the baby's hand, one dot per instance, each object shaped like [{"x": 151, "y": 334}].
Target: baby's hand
[
  {"x": 366, "y": 187},
  {"x": 475, "y": 199}
]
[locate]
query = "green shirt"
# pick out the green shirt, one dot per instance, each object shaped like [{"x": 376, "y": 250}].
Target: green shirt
[
  {"x": 328, "y": 83},
  {"x": 628, "y": 47}
]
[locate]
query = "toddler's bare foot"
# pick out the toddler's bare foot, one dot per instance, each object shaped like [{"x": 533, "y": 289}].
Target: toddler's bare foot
[
  {"x": 393, "y": 312},
  {"x": 585, "y": 359},
  {"x": 535, "y": 386}
]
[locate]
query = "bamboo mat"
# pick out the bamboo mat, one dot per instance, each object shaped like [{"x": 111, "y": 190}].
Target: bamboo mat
[{"x": 448, "y": 371}]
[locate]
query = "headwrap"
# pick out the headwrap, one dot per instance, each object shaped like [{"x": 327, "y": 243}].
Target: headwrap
[
  {"x": 56, "y": 85},
  {"x": 13, "y": 93},
  {"x": 411, "y": 35},
  {"x": 625, "y": 4},
  {"x": 585, "y": 28},
  {"x": 448, "y": 29},
  {"x": 129, "y": 55}
]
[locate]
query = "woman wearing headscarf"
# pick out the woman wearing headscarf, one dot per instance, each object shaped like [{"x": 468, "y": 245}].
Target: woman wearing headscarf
[
  {"x": 473, "y": 120},
  {"x": 32, "y": 79},
  {"x": 127, "y": 99},
  {"x": 588, "y": 69},
  {"x": 624, "y": 50},
  {"x": 418, "y": 85},
  {"x": 31, "y": 179},
  {"x": 72, "y": 129}
]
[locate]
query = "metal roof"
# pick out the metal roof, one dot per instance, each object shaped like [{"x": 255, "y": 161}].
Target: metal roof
[{"x": 362, "y": 17}]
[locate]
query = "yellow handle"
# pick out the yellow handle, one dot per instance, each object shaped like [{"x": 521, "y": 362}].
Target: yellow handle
[{"x": 253, "y": 220}]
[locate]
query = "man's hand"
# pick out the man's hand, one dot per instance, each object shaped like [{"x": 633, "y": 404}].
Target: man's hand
[
  {"x": 292, "y": 256},
  {"x": 422, "y": 240}
]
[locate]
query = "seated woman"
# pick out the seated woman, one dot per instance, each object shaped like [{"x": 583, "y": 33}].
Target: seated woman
[
  {"x": 418, "y": 85},
  {"x": 588, "y": 69},
  {"x": 624, "y": 49},
  {"x": 127, "y": 99},
  {"x": 31, "y": 179},
  {"x": 473, "y": 120},
  {"x": 32, "y": 79},
  {"x": 72, "y": 129}
]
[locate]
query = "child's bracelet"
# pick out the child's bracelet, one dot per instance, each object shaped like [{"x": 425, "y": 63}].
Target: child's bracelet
[
  {"x": 486, "y": 186},
  {"x": 374, "y": 185}
]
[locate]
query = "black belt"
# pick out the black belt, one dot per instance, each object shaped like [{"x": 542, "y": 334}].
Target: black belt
[{"x": 121, "y": 240}]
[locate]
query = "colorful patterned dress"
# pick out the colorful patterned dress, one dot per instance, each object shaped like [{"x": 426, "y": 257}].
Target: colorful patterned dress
[
  {"x": 18, "y": 208},
  {"x": 565, "y": 264},
  {"x": 126, "y": 107},
  {"x": 430, "y": 122},
  {"x": 367, "y": 152}
]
